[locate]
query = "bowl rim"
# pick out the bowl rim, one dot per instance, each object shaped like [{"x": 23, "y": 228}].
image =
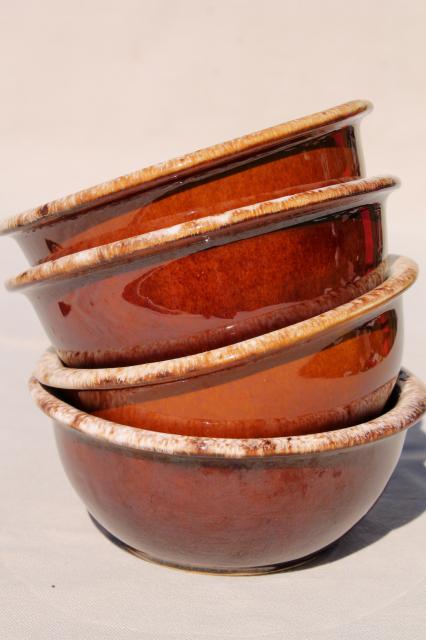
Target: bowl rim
[
  {"x": 409, "y": 408},
  {"x": 52, "y": 372},
  {"x": 209, "y": 231},
  {"x": 111, "y": 189}
]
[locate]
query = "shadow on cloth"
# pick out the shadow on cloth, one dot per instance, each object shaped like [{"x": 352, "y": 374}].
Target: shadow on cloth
[{"x": 403, "y": 500}]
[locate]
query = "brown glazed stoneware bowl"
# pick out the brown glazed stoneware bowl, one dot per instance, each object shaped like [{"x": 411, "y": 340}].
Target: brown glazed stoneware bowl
[
  {"x": 335, "y": 369},
  {"x": 302, "y": 154},
  {"x": 230, "y": 506},
  {"x": 215, "y": 281}
]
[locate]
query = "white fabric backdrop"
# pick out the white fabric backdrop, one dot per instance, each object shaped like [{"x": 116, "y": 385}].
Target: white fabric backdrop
[{"x": 94, "y": 89}]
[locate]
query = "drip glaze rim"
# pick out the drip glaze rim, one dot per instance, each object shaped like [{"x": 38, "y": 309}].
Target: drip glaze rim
[
  {"x": 210, "y": 231},
  {"x": 171, "y": 169},
  {"x": 409, "y": 408},
  {"x": 52, "y": 372}
]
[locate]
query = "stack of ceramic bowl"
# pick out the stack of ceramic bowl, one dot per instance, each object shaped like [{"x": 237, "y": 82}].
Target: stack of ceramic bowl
[{"x": 226, "y": 327}]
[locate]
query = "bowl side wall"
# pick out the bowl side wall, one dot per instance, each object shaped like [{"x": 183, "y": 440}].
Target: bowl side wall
[
  {"x": 175, "y": 305},
  {"x": 226, "y": 514},
  {"x": 341, "y": 378},
  {"x": 286, "y": 168}
]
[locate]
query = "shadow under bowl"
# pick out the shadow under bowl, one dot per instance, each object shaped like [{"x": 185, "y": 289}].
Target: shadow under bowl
[
  {"x": 336, "y": 369},
  {"x": 213, "y": 282},
  {"x": 230, "y": 506},
  {"x": 315, "y": 150}
]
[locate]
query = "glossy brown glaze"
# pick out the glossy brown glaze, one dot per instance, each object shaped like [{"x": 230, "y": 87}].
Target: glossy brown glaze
[
  {"x": 402, "y": 274},
  {"x": 200, "y": 295},
  {"x": 285, "y": 159},
  {"x": 336, "y": 368},
  {"x": 340, "y": 378},
  {"x": 206, "y": 515},
  {"x": 257, "y": 506}
]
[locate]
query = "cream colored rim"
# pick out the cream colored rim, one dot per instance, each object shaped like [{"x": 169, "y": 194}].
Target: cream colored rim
[
  {"x": 51, "y": 371},
  {"x": 408, "y": 410},
  {"x": 109, "y": 190},
  {"x": 295, "y": 207}
]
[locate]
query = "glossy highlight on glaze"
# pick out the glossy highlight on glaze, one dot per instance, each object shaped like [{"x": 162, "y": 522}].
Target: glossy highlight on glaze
[
  {"x": 336, "y": 368},
  {"x": 402, "y": 274},
  {"x": 186, "y": 296},
  {"x": 233, "y": 506},
  {"x": 341, "y": 379},
  {"x": 313, "y": 151}
]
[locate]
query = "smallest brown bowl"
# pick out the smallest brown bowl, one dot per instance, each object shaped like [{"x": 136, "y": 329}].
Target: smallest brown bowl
[
  {"x": 229, "y": 506},
  {"x": 337, "y": 368},
  {"x": 215, "y": 281}
]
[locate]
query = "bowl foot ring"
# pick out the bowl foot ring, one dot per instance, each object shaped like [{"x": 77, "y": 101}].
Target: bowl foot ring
[{"x": 249, "y": 571}]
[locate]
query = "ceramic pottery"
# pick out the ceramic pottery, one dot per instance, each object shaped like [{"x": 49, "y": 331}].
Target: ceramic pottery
[
  {"x": 214, "y": 281},
  {"x": 336, "y": 369},
  {"x": 315, "y": 150},
  {"x": 231, "y": 506}
]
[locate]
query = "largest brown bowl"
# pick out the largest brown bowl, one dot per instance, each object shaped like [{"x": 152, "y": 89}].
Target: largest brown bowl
[
  {"x": 214, "y": 281},
  {"x": 319, "y": 149},
  {"x": 234, "y": 506},
  {"x": 335, "y": 369}
]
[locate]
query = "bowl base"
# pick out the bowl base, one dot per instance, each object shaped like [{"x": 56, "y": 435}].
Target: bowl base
[{"x": 243, "y": 571}]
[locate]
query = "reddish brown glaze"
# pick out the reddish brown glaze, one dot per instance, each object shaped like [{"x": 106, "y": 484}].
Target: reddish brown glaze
[
  {"x": 226, "y": 515},
  {"x": 283, "y": 164},
  {"x": 188, "y": 300},
  {"x": 238, "y": 183},
  {"x": 340, "y": 377},
  {"x": 237, "y": 506}
]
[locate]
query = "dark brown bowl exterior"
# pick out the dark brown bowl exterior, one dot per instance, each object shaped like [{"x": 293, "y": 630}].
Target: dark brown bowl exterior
[
  {"x": 221, "y": 288},
  {"x": 317, "y": 150},
  {"x": 340, "y": 378},
  {"x": 235, "y": 516},
  {"x": 255, "y": 508},
  {"x": 338, "y": 367}
]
